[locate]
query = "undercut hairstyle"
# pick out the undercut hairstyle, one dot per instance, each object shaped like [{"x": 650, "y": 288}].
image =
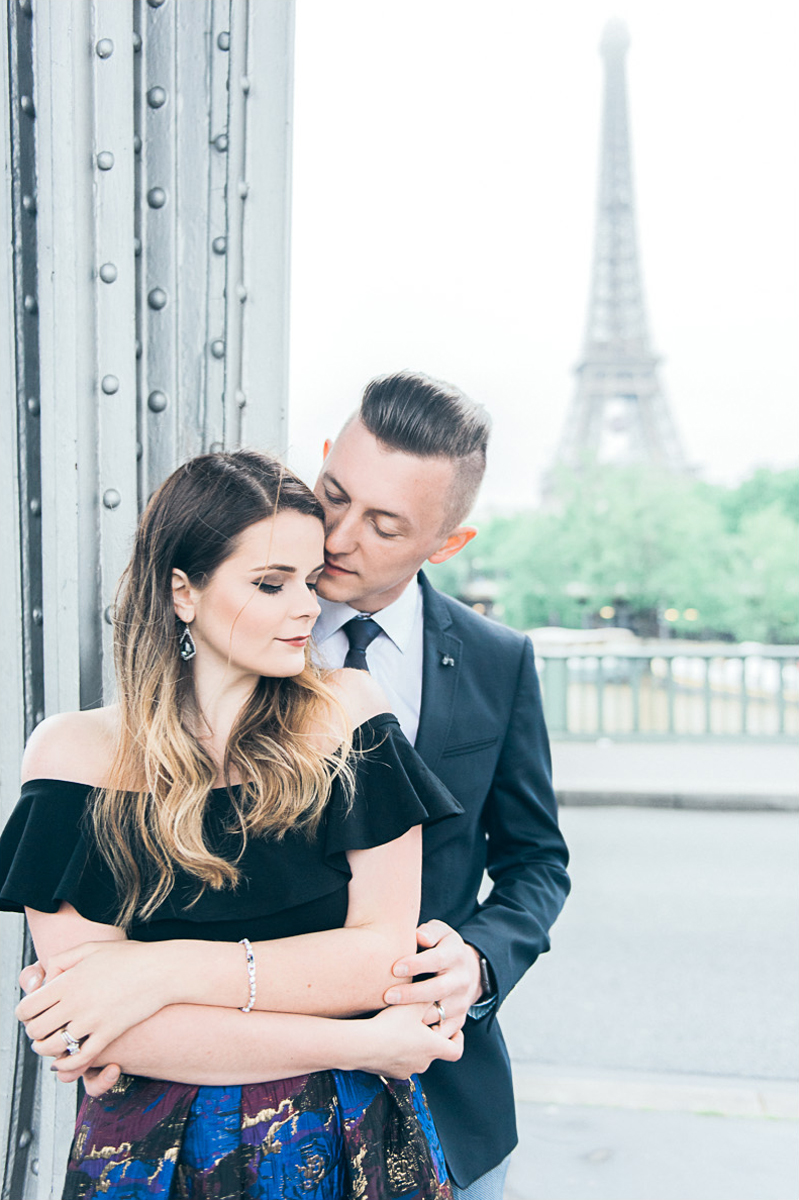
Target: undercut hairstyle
[{"x": 428, "y": 418}]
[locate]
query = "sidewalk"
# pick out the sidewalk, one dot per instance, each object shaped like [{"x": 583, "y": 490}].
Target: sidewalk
[{"x": 724, "y": 775}]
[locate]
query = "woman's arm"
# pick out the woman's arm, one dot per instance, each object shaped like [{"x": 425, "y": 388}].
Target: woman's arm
[
  {"x": 105, "y": 984},
  {"x": 202, "y": 1044},
  {"x": 199, "y": 1045}
]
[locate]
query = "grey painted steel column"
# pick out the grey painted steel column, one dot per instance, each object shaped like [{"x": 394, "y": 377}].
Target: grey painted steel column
[{"x": 143, "y": 319}]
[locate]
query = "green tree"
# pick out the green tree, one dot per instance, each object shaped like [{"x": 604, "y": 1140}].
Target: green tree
[{"x": 644, "y": 542}]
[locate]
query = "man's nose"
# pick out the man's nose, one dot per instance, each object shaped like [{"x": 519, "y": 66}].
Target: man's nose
[{"x": 340, "y": 534}]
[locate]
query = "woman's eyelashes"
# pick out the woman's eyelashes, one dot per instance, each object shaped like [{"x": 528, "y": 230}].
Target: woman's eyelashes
[{"x": 272, "y": 589}]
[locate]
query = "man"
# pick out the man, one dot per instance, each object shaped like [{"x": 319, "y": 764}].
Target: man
[{"x": 396, "y": 485}]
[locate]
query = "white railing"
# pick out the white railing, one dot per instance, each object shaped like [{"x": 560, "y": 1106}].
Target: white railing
[{"x": 669, "y": 689}]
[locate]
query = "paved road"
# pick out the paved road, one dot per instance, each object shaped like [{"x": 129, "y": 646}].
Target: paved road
[{"x": 670, "y": 994}]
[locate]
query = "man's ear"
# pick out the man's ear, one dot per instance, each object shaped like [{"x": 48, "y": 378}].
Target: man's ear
[
  {"x": 328, "y": 446},
  {"x": 455, "y": 542},
  {"x": 182, "y": 596}
]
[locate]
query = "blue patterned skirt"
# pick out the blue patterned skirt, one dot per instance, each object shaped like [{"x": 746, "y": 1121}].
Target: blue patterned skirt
[{"x": 332, "y": 1135}]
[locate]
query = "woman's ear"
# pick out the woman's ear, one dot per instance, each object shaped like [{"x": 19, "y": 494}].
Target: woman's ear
[{"x": 182, "y": 596}]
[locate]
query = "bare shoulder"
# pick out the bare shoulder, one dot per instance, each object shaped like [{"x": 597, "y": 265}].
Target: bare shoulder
[
  {"x": 360, "y": 696},
  {"x": 76, "y": 746}
]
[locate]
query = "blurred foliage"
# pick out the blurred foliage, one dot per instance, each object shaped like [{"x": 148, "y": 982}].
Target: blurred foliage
[{"x": 644, "y": 542}]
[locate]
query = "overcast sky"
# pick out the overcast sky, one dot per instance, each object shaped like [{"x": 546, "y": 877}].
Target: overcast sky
[{"x": 445, "y": 175}]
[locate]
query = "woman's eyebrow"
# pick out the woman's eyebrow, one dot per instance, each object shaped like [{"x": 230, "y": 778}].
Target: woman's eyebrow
[{"x": 286, "y": 569}]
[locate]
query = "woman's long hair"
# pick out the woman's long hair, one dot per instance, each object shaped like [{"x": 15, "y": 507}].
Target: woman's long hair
[{"x": 149, "y": 820}]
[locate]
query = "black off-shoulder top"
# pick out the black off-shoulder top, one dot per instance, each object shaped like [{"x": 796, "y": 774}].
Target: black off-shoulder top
[{"x": 295, "y": 885}]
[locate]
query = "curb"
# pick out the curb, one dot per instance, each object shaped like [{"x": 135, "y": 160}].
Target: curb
[
  {"x": 708, "y": 801},
  {"x": 702, "y": 1095}
]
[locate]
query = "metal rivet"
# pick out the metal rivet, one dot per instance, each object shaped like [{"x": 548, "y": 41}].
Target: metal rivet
[
  {"x": 104, "y": 48},
  {"x": 29, "y": 204},
  {"x": 156, "y": 197},
  {"x": 241, "y": 399},
  {"x": 216, "y": 447},
  {"x": 241, "y": 292},
  {"x": 244, "y": 188},
  {"x": 26, "y": 1136},
  {"x": 155, "y": 3},
  {"x": 30, "y": 305},
  {"x": 105, "y": 160},
  {"x": 136, "y": 144},
  {"x": 137, "y": 247},
  {"x": 37, "y": 616},
  {"x": 245, "y": 85},
  {"x": 156, "y": 97},
  {"x": 157, "y": 401},
  {"x": 112, "y": 498},
  {"x": 138, "y": 348},
  {"x": 219, "y": 245},
  {"x": 26, "y": 104},
  {"x": 34, "y": 407},
  {"x": 220, "y": 141},
  {"x": 136, "y": 42},
  {"x": 108, "y": 273},
  {"x": 36, "y": 507},
  {"x": 157, "y": 299},
  {"x": 218, "y": 348},
  {"x": 110, "y": 384},
  {"x": 223, "y": 40},
  {"x": 108, "y": 615}
]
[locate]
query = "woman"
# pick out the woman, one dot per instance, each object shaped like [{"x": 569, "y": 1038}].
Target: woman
[{"x": 221, "y": 866}]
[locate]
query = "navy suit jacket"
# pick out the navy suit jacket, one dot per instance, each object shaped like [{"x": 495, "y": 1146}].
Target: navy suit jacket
[{"x": 481, "y": 730}]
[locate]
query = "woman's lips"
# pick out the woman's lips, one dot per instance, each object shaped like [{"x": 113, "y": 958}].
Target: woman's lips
[{"x": 299, "y": 642}]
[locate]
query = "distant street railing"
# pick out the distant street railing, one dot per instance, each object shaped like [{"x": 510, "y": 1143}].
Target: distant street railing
[{"x": 663, "y": 689}]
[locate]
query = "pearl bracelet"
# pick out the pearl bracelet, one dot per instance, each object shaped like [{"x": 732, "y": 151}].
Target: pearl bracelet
[{"x": 245, "y": 942}]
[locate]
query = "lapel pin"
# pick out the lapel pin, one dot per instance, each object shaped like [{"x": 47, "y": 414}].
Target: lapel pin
[{"x": 446, "y": 661}]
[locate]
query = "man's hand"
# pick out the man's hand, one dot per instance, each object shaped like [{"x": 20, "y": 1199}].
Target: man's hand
[
  {"x": 456, "y": 967},
  {"x": 96, "y": 1080}
]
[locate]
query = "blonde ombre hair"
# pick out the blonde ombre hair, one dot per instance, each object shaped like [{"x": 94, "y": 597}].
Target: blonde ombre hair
[{"x": 150, "y": 830}]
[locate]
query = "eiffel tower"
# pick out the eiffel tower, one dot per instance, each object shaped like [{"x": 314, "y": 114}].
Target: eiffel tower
[{"x": 619, "y": 414}]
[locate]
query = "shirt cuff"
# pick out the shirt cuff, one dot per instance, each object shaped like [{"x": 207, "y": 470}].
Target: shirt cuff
[{"x": 482, "y": 1008}]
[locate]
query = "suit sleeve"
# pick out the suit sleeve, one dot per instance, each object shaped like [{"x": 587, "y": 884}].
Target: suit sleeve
[{"x": 527, "y": 856}]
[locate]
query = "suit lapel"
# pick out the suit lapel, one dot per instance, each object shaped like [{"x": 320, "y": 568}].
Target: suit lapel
[{"x": 440, "y": 674}]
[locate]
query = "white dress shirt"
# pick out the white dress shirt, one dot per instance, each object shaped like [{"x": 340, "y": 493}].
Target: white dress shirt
[{"x": 395, "y": 656}]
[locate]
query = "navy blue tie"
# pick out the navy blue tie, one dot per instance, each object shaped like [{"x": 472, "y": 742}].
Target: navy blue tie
[{"x": 361, "y": 632}]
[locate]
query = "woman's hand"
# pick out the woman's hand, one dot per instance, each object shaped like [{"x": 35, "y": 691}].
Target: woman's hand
[
  {"x": 95, "y": 992},
  {"x": 406, "y": 1039}
]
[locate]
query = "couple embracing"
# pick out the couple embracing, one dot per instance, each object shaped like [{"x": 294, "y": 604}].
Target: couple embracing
[{"x": 253, "y": 880}]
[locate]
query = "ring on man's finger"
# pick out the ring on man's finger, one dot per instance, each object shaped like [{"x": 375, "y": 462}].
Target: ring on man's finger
[
  {"x": 439, "y": 1007},
  {"x": 72, "y": 1044}
]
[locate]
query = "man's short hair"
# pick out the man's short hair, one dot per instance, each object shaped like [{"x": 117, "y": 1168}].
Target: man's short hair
[{"x": 428, "y": 418}]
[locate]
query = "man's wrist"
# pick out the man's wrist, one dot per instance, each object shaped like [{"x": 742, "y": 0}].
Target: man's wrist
[{"x": 484, "y": 987}]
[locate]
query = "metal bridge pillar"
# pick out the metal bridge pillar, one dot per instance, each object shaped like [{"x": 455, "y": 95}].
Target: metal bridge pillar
[{"x": 144, "y": 213}]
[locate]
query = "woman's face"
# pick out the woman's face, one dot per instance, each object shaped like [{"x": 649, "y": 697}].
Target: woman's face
[{"x": 255, "y": 615}]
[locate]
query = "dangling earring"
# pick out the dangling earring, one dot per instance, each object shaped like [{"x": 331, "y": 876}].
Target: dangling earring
[{"x": 186, "y": 644}]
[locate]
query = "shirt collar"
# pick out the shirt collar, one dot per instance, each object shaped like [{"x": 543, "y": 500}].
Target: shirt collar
[{"x": 397, "y": 619}]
